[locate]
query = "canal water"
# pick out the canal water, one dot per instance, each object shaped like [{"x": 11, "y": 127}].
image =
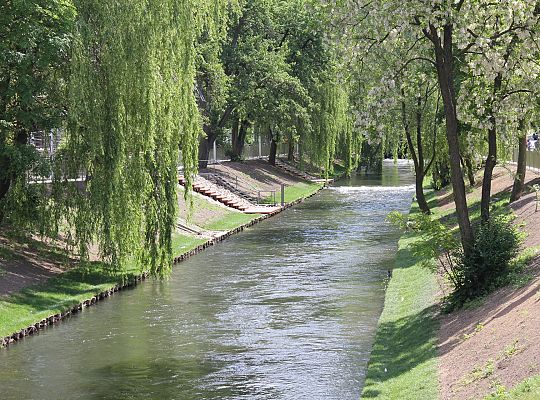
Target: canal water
[{"x": 285, "y": 310}]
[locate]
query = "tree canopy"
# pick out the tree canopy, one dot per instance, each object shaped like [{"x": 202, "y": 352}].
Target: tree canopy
[{"x": 450, "y": 84}]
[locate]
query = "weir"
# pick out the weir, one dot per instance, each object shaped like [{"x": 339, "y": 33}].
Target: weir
[{"x": 285, "y": 310}]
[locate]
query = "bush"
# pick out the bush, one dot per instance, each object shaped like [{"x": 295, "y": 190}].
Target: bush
[{"x": 484, "y": 267}]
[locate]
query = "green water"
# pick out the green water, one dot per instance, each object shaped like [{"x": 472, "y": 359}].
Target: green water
[{"x": 285, "y": 310}]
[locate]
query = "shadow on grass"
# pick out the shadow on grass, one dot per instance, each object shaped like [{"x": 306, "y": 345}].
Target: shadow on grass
[
  {"x": 21, "y": 247},
  {"x": 495, "y": 305},
  {"x": 400, "y": 346}
]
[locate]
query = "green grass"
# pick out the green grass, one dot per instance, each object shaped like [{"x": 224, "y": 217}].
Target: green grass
[
  {"x": 403, "y": 363},
  {"x": 34, "y": 303},
  {"x": 216, "y": 218},
  {"x": 526, "y": 390},
  {"x": 299, "y": 191},
  {"x": 229, "y": 221},
  {"x": 64, "y": 291},
  {"x": 184, "y": 243}
]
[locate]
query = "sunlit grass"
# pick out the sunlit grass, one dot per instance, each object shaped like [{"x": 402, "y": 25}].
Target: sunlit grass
[
  {"x": 299, "y": 190},
  {"x": 230, "y": 221},
  {"x": 184, "y": 243},
  {"x": 58, "y": 294},
  {"x": 403, "y": 363}
]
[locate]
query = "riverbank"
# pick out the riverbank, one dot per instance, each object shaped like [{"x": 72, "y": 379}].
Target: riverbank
[
  {"x": 41, "y": 286},
  {"x": 420, "y": 353}
]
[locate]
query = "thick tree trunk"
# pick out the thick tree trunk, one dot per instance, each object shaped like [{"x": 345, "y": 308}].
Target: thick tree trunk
[
  {"x": 519, "y": 181},
  {"x": 290, "y": 153},
  {"x": 273, "y": 152},
  {"x": 205, "y": 145},
  {"x": 446, "y": 76},
  {"x": 420, "y": 196},
  {"x": 5, "y": 181},
  {"x": 239, "y": 133}
]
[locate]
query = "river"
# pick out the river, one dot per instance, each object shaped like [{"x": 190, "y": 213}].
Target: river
[{"x": 285, "y": 310}]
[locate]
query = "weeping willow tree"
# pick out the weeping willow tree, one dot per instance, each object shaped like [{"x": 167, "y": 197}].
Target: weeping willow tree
[
  {"x": 331, "y": 126},
  {"x": 131, "y": 109}
]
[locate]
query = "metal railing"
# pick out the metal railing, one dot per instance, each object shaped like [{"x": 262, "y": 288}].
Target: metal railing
[{"x": 252, "y": 192}]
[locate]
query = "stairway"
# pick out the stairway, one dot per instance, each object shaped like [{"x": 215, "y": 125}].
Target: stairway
[
  {"x": 227, "y": 197},
  {"x": 224, "y": 183},
  {"x": 296, "y": 172}
]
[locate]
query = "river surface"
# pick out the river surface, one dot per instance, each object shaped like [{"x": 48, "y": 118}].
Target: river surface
[{"x": 285, "y": 310}]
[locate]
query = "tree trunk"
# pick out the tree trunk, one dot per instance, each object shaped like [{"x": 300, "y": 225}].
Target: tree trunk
[
  {"x": 519, "y": 181},
  {"x": 5, "y": 181},
  {"x": 300, "y": 155},
  {"x": 273, "y": 149},
  {"x": 491, "y": 160},
  {"x": 470, "y": 171},
  {"x": 417, "y": 156},
  {"x": 239, "y": 133},
  {"x": 205, "y": 145},
  {"x": 290, "y": 153},
  {"x": 420, "y": 196},
  {"x": 446, "y": 76}
]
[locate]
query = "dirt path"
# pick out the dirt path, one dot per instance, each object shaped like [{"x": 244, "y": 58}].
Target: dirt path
[{"x": 496, "y": 344}]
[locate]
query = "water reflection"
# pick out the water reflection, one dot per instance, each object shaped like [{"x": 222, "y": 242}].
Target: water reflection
[{"x": 286, "y": 310}]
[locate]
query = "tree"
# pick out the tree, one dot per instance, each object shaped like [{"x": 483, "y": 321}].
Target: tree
[
  {"x": 275, "y": 67},
  {"x": 131, "y": 108},
  {"x": 35, "y": 38},
  {"x": 493, "y": 59},
  {"x": 450, "y": 29},
  {"x": 416, "y": 146}
]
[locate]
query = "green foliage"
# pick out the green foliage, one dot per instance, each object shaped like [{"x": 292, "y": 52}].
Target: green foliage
[
  {"x": 484, "y": 268},
  {"x": 34, "y": 59},
  {"x": 492, "y": 261},
  {"x": 276, "y": 72},
  {"x": 435, "y": 240},
  {"x": 131, "y": 109}
]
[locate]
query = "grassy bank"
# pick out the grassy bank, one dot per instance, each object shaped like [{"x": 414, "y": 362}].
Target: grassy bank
[
  {"x": 300, "y": 190},
  {"x": 58, "y": 294},
  {"x": 64, "y": 291},
  {"x": 403, "y": 363},
  {"x": 213, "y": 217},
  {"x": 404, "y": 360}
]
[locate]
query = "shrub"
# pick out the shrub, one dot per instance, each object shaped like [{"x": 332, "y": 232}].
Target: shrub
[{"x": 483, "y": 268}]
